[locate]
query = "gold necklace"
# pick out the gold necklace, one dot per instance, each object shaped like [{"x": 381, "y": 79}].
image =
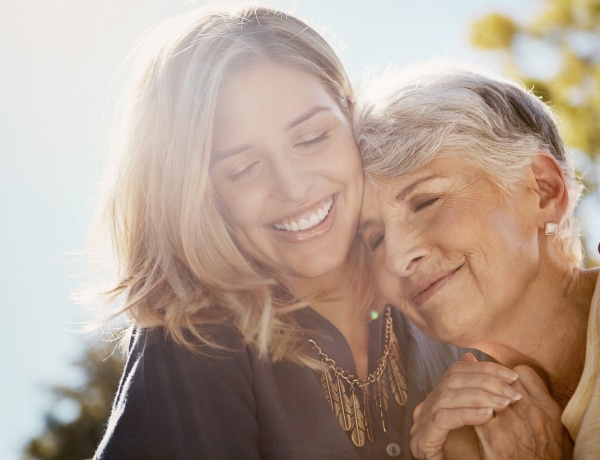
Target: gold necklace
[{"x": 386, "y": 379}]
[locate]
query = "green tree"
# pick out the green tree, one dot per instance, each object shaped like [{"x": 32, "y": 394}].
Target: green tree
[
  {"x": 567, "y": 34},
  {"x": 77, "y": 439},
  {"x": 571, "y": 30}
]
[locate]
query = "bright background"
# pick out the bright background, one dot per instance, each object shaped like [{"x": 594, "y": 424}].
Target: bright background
[{"x": 58, "y": 58}]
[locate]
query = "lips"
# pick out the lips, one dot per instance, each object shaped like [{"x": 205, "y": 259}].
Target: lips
[
  {"x": 429, "y": 286},
  {"x": 307, "y": 219}
]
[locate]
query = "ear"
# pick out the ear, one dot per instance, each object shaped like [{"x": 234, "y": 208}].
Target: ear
[
  {"x": 551, "y": 188},
  {"x": 351, "y": 104}
]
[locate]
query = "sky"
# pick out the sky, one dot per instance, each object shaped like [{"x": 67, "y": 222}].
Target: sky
[{"x": 58, "y": 60}]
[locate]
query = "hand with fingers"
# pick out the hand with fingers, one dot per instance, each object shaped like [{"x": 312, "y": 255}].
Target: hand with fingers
[
  {"x": 484, "y": 410},
  {"x": 528, "y": 429},
  {"x": 468, "y": 394}
]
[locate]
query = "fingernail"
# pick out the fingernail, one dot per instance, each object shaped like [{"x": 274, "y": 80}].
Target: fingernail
[
  {"x": 485, "y": 411},
  {"x": 509, "y": 375},
  {"x": 511, "y": 393},
  {"x": 470, "y": 357},
  {"x": 501, "y": 401}
]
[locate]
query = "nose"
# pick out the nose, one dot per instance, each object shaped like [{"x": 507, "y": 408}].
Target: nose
[
  {"x": 404, "y": 249},
  {"x": 292, "y": 179}
]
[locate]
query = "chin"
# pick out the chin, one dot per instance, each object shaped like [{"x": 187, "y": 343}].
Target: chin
[
  {"x": 318, "y": 268},
  {"x": 315, "y": 272},
  {"x": 458, "y": 336}
]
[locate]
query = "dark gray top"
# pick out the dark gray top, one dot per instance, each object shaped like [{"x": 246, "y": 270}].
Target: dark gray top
[{"x": 175, "y": 404}]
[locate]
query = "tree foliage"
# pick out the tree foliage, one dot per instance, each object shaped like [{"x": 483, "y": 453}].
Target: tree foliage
[
  {"x": 568, "y": 32},
  {"x": 76, "y": 439}
]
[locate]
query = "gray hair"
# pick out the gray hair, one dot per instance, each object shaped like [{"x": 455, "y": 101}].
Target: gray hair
[{"x": 435, "y": 109}]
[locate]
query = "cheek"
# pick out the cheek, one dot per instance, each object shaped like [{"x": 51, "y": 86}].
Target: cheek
[
  {"x": 354, "y": 178},
  {"x": 514, "y": 236},
  {"x": 354, "y": 164},
  {"x": 242, "y": 206},
  {"x": 387, "y": 283},
  {"x": 346, "y": 157},
  {"x": 466, "y": 229}
]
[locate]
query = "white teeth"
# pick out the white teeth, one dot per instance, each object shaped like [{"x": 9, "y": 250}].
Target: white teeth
[{"x": 306, "y": 223}]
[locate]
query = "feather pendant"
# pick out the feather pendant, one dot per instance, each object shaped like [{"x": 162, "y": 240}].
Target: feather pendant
[
  {"x": 358, "y": 428},
  {"x": 397, "y": 381},
  {"x": 344, "y": 411},
  {"x": 387, "y": 382},
  {"x": 368, "y": 416},
  {"x": 329, "y": 390},
  {"x": 382, "y": 397}
]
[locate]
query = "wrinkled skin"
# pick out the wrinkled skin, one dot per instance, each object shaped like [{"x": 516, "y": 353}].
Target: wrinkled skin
[{"x": 520, "y": 424}]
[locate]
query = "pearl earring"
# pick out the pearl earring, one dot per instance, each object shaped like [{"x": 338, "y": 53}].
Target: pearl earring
[{"x": 551, "y": 228}]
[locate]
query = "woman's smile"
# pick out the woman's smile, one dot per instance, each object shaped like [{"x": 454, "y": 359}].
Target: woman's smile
[
  {"x": 430, "y": 286},
  {"x": 306, "y": 220}
]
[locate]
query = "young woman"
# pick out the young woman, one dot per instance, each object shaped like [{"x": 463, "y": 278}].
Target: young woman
[{"x": 233, "y": 208}]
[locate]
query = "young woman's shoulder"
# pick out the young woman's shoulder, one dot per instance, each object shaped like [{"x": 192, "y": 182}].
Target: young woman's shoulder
[{"x": 174, "y": 402}]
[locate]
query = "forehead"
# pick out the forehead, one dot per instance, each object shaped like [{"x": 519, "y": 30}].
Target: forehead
[
  {"x": 265, "y": 97},
  {"x": 373, "y": 198},
  {"x": 268, "y": 84},
  {"x": 383, "y": 193},
  {"x": 400, "y": 186}
]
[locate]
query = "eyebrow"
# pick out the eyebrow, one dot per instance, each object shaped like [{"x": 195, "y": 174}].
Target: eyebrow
[
  {"x": 223, "y": 154},
  {"x": 401, "y": 196},
  {"x": 307, "y": 115}
]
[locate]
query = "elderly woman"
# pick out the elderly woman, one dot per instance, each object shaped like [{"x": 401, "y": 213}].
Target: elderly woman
[{"x": 469, "y": 218}]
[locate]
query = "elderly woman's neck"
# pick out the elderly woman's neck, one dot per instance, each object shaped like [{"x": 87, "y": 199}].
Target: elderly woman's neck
[{"x": 549, "y": 331}]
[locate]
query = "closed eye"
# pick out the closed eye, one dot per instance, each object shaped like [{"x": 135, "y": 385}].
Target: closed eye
[
  {"x": 314, "y": 141},
  {"x": 425, "y": 203},
  {"x": 376, "y": 241},
  {"x": 236, "y": 177}
]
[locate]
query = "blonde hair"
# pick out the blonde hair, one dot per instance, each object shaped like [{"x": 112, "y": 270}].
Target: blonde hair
[
  {"x": 444, "y": 108},
  {"x": 179, "y": 267}
]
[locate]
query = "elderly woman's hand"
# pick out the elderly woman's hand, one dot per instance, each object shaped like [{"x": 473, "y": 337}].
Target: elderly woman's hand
[
  {"x": 468, "y": 394},
  {"x": 529, "y": 429}
]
